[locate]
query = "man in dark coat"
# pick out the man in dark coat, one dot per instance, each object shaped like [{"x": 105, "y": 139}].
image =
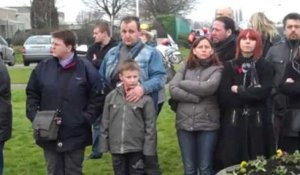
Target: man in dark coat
[
  {"x": 280, "y": 55},
  {"x": 103, "y": 42},
  {"x": 95, "y": 54},
  {"x": 70, "y": 85},
  {"x": 223, "y": 35},
  {"x": 5, "y": 110}
]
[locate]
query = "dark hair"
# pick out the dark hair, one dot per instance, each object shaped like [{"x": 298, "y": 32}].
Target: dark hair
[
  {"x": 253, "y": 34},
  {"x": 294, "y": 16},
  {"x": 103, "y": 27},
  {"x": 68, "y": 37},
  {"x": 128, "y": 19},
  {"x": 228, "y": 23},
  {"x": 192, "y": 61},
  {"x": 130, "y": 65}
]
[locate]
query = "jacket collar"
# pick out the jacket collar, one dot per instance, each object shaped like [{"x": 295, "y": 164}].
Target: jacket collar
[{"x": 135, "y": 48}]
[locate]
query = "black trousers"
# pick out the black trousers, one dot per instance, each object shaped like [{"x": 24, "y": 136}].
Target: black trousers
[
  {"x": 128, "y": 164},
  {"x": 289, "y": 144},
  {"x": 65, "y": 163},
  {"x": 152, "y": 165}
]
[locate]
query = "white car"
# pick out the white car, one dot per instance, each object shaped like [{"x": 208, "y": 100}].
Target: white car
[
  {"x": 36, "y": 48},
  {"x": 7, "y": 54}
]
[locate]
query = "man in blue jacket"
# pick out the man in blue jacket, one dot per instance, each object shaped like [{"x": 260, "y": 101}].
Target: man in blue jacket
[{"x": 153, "y": 75}]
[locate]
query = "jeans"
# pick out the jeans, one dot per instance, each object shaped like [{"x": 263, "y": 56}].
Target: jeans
[
  {"x": 197, "y": 149},
  {"x": 1, "y": 157},
  {"x": 96, "y": 138},
  {"x": 128, "y": 163}
]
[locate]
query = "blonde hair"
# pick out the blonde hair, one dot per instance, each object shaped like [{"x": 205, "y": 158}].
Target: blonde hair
[
  {"x": 224, "y": 11},
  {"x": 262, "y": 24}
]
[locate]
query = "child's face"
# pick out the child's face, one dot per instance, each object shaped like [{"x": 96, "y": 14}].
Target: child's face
[{"x": 130, "y": 78}]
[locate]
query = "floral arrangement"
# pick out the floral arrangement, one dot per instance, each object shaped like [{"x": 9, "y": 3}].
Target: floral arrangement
[{"x": 279, "y": 164}]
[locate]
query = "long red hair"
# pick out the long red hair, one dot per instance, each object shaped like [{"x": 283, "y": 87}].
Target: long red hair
[{"x": 253, "y": 34}]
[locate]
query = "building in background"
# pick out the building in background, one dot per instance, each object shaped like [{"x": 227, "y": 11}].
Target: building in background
[
  {"x": 13, "y": 19},
  {"x": 9, "y": 22}
]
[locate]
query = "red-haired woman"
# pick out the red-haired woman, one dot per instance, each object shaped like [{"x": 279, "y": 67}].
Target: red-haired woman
[
  {"x": 197, "y": 115},
  {"x": 245, "y": 86}
]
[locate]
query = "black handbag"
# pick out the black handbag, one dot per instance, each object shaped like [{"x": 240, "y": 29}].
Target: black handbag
[
  {"x": 46, "y": 122},
  {"x": 45, "y": 127},
  {"x": 173, "y": 104}
]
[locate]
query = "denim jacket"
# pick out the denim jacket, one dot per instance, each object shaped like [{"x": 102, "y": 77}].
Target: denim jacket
[{"x": 153, "y": 74}]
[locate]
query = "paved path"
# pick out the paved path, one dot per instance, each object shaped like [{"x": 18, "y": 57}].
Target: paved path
[{"x": 18, "y": 86}]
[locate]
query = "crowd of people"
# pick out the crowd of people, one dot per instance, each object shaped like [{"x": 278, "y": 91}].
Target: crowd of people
[{"x": 237, "y": 97}]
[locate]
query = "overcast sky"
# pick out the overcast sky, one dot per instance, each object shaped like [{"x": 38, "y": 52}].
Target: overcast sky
[
  {"x": 70, "y": 7},
  {"x": 274, "y": 9}
]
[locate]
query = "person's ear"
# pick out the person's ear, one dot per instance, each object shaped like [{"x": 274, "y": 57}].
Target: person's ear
[
  {"x": 194, "y": 51},
  {"x": 228, "y": 32},
  {"x": 120, "y": 76},
  {"x": 69, "y": 48}
]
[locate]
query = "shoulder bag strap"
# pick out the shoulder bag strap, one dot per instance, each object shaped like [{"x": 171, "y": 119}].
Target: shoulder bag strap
[{"x": 137, "y": 51}]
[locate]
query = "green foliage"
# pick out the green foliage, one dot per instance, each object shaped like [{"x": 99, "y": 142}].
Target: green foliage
[
  {"x": 183, "y": 40},
  {"x": 184, "y": 52},
  {"x": 280, "y": 164},
  {"x": 280, "y": 170},
  {"x": 18, "y": 54},
  {"x": 168, "y": 22},
  {"x": 19, "y": 37}
]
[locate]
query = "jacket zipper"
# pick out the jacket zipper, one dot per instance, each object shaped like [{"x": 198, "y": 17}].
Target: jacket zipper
[
  {"x": 123, "y": 128},
  {"x": 233, "y": 117},
  {"x": 258, "y": 117}
]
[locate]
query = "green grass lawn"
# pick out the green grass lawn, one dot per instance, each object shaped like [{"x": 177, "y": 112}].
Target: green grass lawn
[
  {"x": 24, "y": 157},
  {"x": 19, "y": 75}
]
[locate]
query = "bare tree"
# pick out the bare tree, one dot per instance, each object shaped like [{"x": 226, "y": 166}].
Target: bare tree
[
  {"x": 44, "y": 15},
  {"x": 166, "y": 7},
  {"x": 111, "y": 7},
  {"x": 84, "y": 17}
]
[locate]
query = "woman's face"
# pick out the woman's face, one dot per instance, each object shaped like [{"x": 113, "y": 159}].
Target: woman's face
[
  {"x": 247, "y": 44},
  {"x": 203, "y": 50}
]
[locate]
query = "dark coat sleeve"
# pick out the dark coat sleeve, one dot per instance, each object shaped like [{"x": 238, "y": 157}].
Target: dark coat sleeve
[
  {"x": 265, "y": 80},
  {"x": 33, "y": 92},
  {"x": 226, "y": 97},
  {"x": 5, "y": 104},
  {"x": 96, "y": 98},
  {"x": 290, "y": 89},
  {"x": 90, "y": 53}
]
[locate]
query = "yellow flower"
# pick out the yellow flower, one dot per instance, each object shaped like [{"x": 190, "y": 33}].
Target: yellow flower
[
  {"x": 279, "y": 153},
  {"x": 243, "y": 164},
  {"x": 243, "y": 170}
]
